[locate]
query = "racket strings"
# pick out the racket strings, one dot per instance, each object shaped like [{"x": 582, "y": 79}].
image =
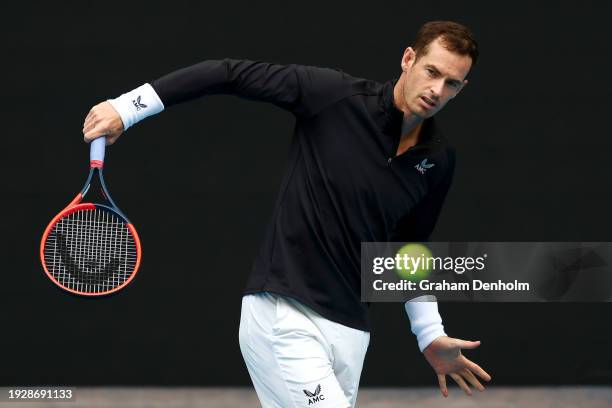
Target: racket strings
[{"x": 91, "y": 251}]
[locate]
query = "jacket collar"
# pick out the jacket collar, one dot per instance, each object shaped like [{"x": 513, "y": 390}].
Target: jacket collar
[{"x": 392, "y": 118}]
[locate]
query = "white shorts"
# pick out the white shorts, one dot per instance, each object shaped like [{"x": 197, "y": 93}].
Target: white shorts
[{"x": 297, "y": 358}]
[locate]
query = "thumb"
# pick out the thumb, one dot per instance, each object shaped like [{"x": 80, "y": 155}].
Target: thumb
[
  {"x": 466, "y": 344},
  {"x": 112, "y": 138}
]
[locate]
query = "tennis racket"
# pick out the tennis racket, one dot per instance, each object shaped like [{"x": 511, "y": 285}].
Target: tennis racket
[{"x": 91, "y": 249}]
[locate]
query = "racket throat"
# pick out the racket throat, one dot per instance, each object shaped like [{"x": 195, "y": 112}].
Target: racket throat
[{"x": 99, "y": 185}]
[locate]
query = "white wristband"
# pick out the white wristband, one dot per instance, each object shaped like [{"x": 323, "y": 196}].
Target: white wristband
[
  {"x": 425, "y": 321},
  {"x": 137, "y": 105}
]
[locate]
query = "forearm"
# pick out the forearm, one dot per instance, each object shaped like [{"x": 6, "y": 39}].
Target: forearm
[
  {"x": 137, "y": 105},
  {"x": 205, "y": 78},
  {"x": 277, "y": 84},
  {"x": 281, "y": 85},
  {"x": 425, "y": 320},
  {"x": 300, "y": 89}
]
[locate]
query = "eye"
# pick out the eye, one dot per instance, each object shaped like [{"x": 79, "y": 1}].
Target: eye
[
  {"x": 430, "y": 72},
  {"x": 453, "y": 84}
]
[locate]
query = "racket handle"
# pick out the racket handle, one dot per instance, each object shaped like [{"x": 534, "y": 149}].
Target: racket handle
[{"x": 96, "y": 152}]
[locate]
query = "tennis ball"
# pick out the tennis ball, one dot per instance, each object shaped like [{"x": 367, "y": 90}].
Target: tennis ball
[{"x": 411, "y": 262}]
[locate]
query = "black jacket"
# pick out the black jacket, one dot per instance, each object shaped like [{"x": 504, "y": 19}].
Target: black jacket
[{"x": 344, "y": 184}]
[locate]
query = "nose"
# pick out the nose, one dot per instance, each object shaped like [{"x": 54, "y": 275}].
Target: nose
[{"x": 436, "y": 89}]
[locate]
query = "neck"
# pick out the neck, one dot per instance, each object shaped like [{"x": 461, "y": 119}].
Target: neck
[
  {"x": 410, "y": 136},
  {"x": 411, "y": 125}
]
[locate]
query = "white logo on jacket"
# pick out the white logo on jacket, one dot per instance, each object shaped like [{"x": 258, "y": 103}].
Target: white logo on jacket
[{"x": 423, "y": 166}]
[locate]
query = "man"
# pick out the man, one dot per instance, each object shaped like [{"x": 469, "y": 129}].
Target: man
[{"x": 367, "y": 163}]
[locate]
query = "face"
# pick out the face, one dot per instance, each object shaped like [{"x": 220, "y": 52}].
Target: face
[{"x": 432, "y": 80}]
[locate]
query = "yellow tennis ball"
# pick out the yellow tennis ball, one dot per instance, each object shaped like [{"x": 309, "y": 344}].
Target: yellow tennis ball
[{"x": 411, "y": 262}]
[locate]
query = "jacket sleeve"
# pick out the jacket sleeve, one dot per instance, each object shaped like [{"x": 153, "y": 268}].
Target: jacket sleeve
[
  {"x": 418, "y": 225},
  {"x": 302, "y": 90}
]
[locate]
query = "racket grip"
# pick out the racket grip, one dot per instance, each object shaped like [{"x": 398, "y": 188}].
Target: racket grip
[{"x": 96, "y": 152}]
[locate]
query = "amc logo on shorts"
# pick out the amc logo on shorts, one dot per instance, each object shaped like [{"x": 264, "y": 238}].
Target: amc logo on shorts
[{"x": 316, "y": 396}]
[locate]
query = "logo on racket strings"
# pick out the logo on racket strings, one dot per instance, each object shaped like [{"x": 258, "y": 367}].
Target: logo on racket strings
[{"x": 90, "y": 272}]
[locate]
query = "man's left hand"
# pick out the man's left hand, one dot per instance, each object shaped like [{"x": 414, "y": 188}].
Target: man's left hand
[{"x": 444, "y": 356}]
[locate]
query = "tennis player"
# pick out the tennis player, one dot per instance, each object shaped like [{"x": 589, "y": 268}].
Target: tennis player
[{"x": 367, "y": 163}]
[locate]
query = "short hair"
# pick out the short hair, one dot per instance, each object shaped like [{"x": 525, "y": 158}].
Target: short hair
[{"x": 454, "y": 37}]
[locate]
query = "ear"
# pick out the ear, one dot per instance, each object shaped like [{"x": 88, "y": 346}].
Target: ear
[{"x": 408, "y": 59}]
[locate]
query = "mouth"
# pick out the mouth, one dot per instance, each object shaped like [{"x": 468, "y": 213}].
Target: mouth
[{"x": 428, "y": 102}]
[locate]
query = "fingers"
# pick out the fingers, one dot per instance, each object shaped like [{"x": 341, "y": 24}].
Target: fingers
[
  {"x": 112, "y": 139},
  {"x": 92, "y": 127},
  {"x": 92, "y": 117},
  {"x": 467, "y": 374},
  {"x": 93, "y": 133},
  {"x": 88, "y": 114},
  {"x": 102, "y": 119},
  {"x": 442, "y": 384},
  {"x": 465, "y": 344},
  {"x": 475, "y": 368},
  {"x": 88, "y": 125},
  {"x": 459, "y": 380}
]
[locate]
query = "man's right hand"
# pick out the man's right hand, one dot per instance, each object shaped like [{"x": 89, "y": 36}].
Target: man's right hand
[{"x": 101, "y": 120}]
